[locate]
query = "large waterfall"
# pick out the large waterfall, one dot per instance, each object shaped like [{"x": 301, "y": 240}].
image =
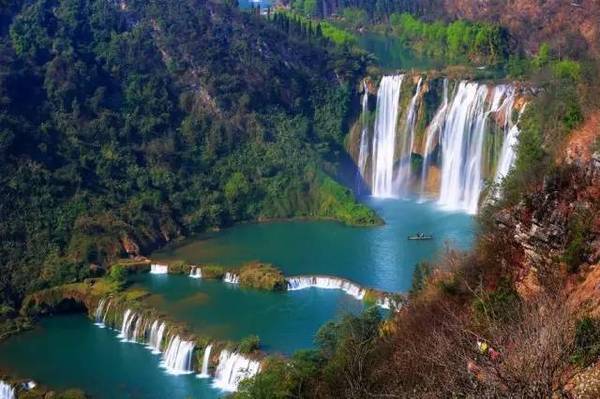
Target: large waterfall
[
  {"x": 7, "y": 391},
  {"x": 384, "y": 136},
  {"x": 177, "y": 359},
  {"x": 402, "y": 180},
  {"x": 205, "y": 362},
  {"x": 126, "y": 333},
  {"x": 232, "y": 369},
  {"x": 462, "y": 144},
  {"x": 460, "y": 141}
]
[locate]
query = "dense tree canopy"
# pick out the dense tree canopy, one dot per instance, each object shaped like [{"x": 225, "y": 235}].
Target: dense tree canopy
[{"x": 127, "y": 124}]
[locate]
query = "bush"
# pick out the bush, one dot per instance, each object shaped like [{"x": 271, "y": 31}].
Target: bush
[
  {"x": 249, "y": 344},
  {"x": 118, "y": 275},
  {"x": 587, "y": 341},
  {"x": 420, "y": 275},
  {"x": 262, "y": 276},
  {"x": 215, "y": 272}
]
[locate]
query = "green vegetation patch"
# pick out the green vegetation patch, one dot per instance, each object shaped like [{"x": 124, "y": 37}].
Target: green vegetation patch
[{"x": 262, "y": 276}]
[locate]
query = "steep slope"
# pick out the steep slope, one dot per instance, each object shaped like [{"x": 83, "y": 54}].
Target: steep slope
[{"x": 127, "y": 124}]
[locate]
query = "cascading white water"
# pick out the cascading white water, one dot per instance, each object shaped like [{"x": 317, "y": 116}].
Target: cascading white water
[
  {"x": 196, "y": 272},
  {"x": 7, "y": 391},
  {"x": 157, "y": 331},
  {"x": 384, "y": 136},
  {"x": 408, "y": 139},
  {"x": 433, "y": 134},
  {"x": 232, "y": 369},
  {"x": 326, "y": 282},
  {"x": 159, "y": 269},
  {"x": 205, "y": 363},
  {"x": 128, "y": 319},
  {"x": 177, "y": 359},
  {"x": 508, "y": 154},
  {"x": 106, "y": 312},
  {"x": 363, "y": 152},
  {"x": 231, "y": 278},
  {"x": 98, "y": 315},
  {"x": 462, "y": 145}
]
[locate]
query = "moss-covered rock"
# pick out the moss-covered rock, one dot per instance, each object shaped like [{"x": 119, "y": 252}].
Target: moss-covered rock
[
  {"x": 262, "y": 276},
  {"x": 212, "y": 271}
]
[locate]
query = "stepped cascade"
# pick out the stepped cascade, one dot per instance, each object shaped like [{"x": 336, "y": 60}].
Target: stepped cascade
[
  {"x": 461, "y": 140},
  {"x": 177, "y": 359},
  {"x": 232, "y": 369},
  {"x": 231, "y": 278},
  {"x": 159, "y": 269},
  {"x": 384, "y": 136},
  {"x": 7, "y": 391},
  {"x": 205, "y": 362},
  {"x": 178, "y": 354},
  {"x": 157, "y": 331},
  {"x": 98, "y": 315},
  {"x": 326, "y": 282},
  {"x": 196, "y": 272}
]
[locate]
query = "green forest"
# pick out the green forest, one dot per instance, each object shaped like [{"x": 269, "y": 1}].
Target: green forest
[{"x": 129, "y": 126}]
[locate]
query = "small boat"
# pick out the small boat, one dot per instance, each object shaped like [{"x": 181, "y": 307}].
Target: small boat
[{"x": 420, "y": 237}]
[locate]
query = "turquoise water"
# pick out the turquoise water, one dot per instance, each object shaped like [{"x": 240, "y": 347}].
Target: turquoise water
[
  {"x": 392, "y": 54},
  {"x": 284, "y": 321},
  {"x": 70, "y": 352},
  {"x": 246, "y": 4},
  {"x": 376, "y": 257}
]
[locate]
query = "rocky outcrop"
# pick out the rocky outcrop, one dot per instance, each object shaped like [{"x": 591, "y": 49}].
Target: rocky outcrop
[{"x": 556, "y": 229}]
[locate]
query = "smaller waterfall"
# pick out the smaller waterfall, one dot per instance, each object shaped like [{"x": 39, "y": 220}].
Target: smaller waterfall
[
  {"x": 508, "y": 154},
  {"x": 157, "y": 330},
  {"x": 433, "y": 132},
  {"x": 7, "y": 391},
  {"x": 196, "y": 272},
  {"x": 98, "y": 315},
  {"x": 363, "y": 152},
  {"x": 106, "y": 312},
  {"x": 325, "y": 282},
  {"x": 128, "y": 319},
  {"x": 177, "y": 359},
  {"x": 384, "y": 136},
  {"x": 231, "y": 278},
  {"x": 159, "y": 269},
  {"x": 408, "y": 140},
  {"x": 205, "y": 363},
  {"x": 232, "y": 369}
]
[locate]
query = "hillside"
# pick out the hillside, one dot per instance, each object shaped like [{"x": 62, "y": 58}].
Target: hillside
[{"x": 126, "y": 125}]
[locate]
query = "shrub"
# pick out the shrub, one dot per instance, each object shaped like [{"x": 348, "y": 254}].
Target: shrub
[
  {"x": 262, "y": 276},
  {"x": 249, "y": 344},
  {"x": 118, "y": 275},
  {"x": 587, "y": 341},
  {"x": 212, "y": 272}
]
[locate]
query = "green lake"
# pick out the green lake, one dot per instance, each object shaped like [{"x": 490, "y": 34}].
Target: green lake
[
  {"x": 70, "y": 351},
  {"x": 375, "y": 257}
]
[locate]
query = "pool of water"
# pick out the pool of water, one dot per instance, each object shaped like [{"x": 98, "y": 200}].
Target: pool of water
[
  {"x": 68, "y": 351},
  {"x": 377, "y": 257},
  {"x": 284, "y": 321},
  {"x": 391, "y": 53}
]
